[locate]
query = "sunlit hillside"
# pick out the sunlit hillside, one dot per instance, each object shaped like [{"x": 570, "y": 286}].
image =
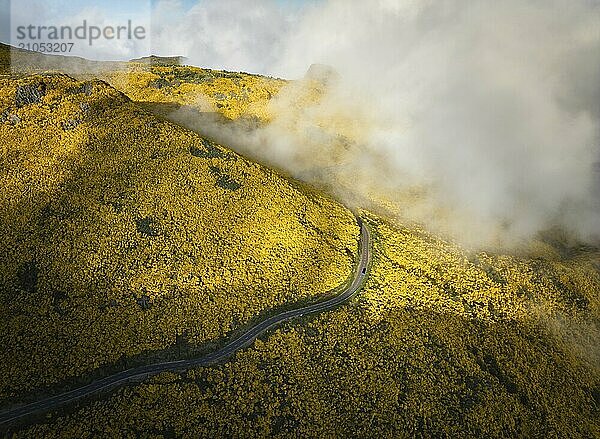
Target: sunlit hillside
[
  {"x": 436, "y": 346},
  {"x": 124, "y": 234},
  {"x": 233, "y": 95},
  {"x": 130, "y": 238}
]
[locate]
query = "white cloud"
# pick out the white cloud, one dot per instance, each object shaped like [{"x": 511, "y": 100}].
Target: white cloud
[
  {"x": 493, "y": 106},
  {"x": 233, "y": 34},
  {"x": 58, "y": 14}
]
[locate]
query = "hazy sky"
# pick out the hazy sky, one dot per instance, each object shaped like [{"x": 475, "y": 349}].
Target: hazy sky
[{"x": 156, "y": 15}]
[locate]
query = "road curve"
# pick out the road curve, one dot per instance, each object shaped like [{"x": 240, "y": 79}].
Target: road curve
[{"x": 143, "y": 372}]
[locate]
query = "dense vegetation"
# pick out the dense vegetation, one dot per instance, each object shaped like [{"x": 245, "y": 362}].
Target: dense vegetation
[
  {"x": 125, "y": 234},
  {"x": 122, "y": 234},
  {"x": 436, "y": 346},
  {"x": 232, "y": 95}
]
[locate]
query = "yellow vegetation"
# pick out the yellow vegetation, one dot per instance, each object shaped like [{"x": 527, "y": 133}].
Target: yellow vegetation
[
  {"x": 120, "y": 231},
  {"x": 233, "y": 95},
  {"x": 437, "y": 345}
]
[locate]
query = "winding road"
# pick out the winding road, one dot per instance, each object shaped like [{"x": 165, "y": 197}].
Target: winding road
[{"x": 143, "y": 372}]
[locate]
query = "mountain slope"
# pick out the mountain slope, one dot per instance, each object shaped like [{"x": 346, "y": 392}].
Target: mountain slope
[
  {"x": 125, "y": 230},
  {"x": 437, "y": 345},
  {"x": 123, "y": 234}
]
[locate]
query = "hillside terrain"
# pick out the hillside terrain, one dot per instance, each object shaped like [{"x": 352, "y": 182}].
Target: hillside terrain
[
  {"x": 437, "y": 345},
  {"x": 128, "y": 234},
  {"x": 123, "y": 234},
  {"x": 231, "y": 95}
]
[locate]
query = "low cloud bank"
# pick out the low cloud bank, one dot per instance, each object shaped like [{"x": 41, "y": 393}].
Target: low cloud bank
[{"x": 479, "y": 119}]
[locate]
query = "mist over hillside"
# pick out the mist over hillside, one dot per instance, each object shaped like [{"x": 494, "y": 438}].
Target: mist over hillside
[
  {"x": 387, "y": 228},
  {"x": 488, "y": 110}
]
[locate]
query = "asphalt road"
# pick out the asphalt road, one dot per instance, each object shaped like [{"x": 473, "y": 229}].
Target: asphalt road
[{"x": 143, "y": 372}]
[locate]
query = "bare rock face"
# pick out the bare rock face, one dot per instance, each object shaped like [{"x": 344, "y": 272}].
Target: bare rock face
[
  {"x": 30, "y": 94},
  {"x": 322, "y": 73},
  {"x": 6, "y": 116}
]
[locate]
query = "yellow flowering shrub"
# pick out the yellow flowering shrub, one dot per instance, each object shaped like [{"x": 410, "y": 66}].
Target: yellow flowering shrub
[
  {"x": 233, "y": 95},
  {"x": 121, "y": 232},
  {"x": 439, "y": 344}
]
